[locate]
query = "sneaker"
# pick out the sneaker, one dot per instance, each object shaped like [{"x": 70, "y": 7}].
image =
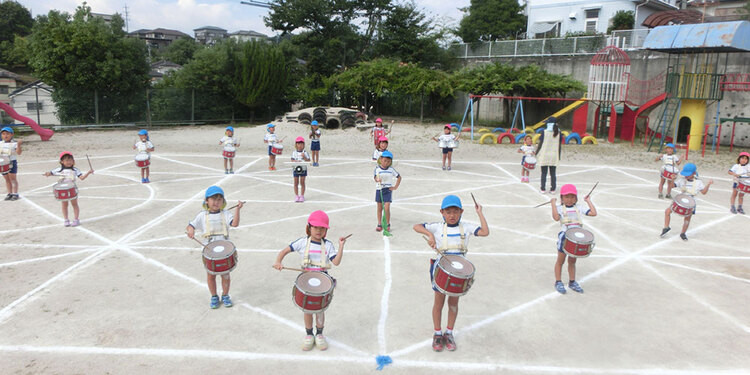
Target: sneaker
[
  {"x": 661, "y": 196},
  {"x": 320, "y": 342},
  {"x": 296, "y": 198},
  {"x": 443, "y": 167},
  {"x": 668, "y": 196},
  {"x": 732, "y": 210},
  {"x": 379, "y": 228},
  {"x": 75, "y": 223},
  {"x": 388, "y": 228},
  {"x": 15, "y": 197},
  {"x": 10, "y": 196},
  {"x": 270, "y": 168},
  {"x": 66, "y": 223},
  {"x": 560, "y": 287},
  {"x": 683, "y": 236},
  {"x": 450, "y": 343},
  {"x": 147, "y": 180},
  {"x": 437, "y": 343},
  {"x": 664, "y": 231},
  {"x": 308, "y": 343},
  {"x": 226, "y": 300},
  {"x": 739, "y": 209},
  {"x": 214, "y": 302},
  {"x": 449, "y": 167},
  {"x": 226, "y": 171},
  {"x": 575, "y": 287},
  {"x": 543, "y": 191},
  {"x": 316, "y": 165},
  {"x": 143, "y": 180},
  {"x": 273, "y": 168},
  {"x": 552, "y": 192},
  {"x": 231, "y": 171},
  {"x": 301, "y": 198}
]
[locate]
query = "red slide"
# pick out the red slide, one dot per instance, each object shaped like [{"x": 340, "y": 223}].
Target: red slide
[{"x": 46, "y": 134}]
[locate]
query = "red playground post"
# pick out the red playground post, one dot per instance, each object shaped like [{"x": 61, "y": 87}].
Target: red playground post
[{"x": 44, "y": 133}]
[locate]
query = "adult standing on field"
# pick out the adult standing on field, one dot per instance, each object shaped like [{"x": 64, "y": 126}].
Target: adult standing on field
[{"x": 548, "y": 153}]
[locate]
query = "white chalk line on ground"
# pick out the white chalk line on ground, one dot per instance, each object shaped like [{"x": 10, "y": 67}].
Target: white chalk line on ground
[
  {"x": 700, "y": 270},
  {"x": 385, "y": 297},
  {"x": 452, "y": 171},
  {"x": 215, "y": 170},
  {"x": 44, "y": 258}
]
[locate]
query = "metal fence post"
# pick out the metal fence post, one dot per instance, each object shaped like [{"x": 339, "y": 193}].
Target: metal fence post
[
  {"x": 192, "y": 105},
  {"x": 96, "y": 106}
]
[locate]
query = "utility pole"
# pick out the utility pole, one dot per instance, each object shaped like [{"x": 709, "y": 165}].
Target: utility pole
[{"x": 127, "y": 19}]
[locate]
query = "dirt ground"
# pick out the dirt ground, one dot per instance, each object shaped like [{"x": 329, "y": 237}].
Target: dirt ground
[{"x": 125, "y": 292}]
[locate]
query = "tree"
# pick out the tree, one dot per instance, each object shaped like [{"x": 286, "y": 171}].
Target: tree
[
  {"x": 745, "y": 11},
  {"x": 260, "y": 74},
  {"x": 622, "y": 20},
  {"x": 90, "y": 62},
  {"x": 15, "y": 24},
  {"x": 490, "y": 20},
  {"x": 180, "y": 51}
]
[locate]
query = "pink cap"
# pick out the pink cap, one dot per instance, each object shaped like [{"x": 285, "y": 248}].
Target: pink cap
[
  {"x": 378, "y": 119},
  {"x": 568, "y": 189},
  {"x": 65, "y": 153},
  {"x": 447, "y": 126},
  {"x": 318, "y": 219},
  {"x": 299, "y": 139},
  {"x": 743, "y": 153},
  {"x": 383, "y": 139}
]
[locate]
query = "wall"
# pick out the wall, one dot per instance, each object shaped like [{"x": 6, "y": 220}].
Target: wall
[{"x": 47, "y": 114}]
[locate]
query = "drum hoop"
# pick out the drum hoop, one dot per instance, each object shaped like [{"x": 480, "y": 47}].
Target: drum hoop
[
  {"x": 468, "y": 282},
  {"x": 206, "y": 250},
  {"x": 456, "y": 275},
  {"x": 304, "y": 301},
  {"x": 222, "y": 272},
  {"x": 314, "y": 294}
]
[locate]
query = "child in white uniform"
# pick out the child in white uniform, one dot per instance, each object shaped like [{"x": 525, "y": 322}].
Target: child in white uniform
[
  {"x": 10, "y": 148},
  {"x": 271, "y": 139},
  {"x": 569, "y": 214},
  {"x": 527, "y": 149},
  {"x": 214, "y": 222},
  {"x": 451, "y": 236},
  {"x": 68, "y": 172},
  {"x": 741, "y": 170},
  {"x": 691, "y": 185},
  {"x": 317, "y": 255},
  {"x": 446, "y": 138},
  {"x": 315, "y": 143},
  {"x": 229, "y": 143},
  {"x": 669, "y": 160},
  {"x": 381, "y": 147},
  {"x": 384, "y": 176},
  {"x": 144, "y": 146},
  {"x": 299, "y": 171}
]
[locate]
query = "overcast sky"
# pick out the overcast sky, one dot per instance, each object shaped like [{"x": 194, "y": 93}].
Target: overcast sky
[{"x": 186, "y": 15}]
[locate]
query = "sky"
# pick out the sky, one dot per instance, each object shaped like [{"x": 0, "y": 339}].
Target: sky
[{"x": 187, "y": 15}]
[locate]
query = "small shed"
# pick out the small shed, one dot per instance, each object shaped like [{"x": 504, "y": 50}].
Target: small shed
[{"x": 35, "y": 102}]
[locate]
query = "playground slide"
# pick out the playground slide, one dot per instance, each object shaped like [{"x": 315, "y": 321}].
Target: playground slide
[
  {"x": 561, "y": 112},
  {"x": 645, "y": 108},
  {"x": 46, "y": 134}
]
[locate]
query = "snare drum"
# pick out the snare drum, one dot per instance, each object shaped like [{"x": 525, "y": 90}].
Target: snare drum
[
  {"x": 743, "y": 185},
  {"x": 65, "y": 191},
  {"x": 578, "y": 242},
  {"x": 453, "y": 275},
  {"x": 669, "y": 172},
  {"x": 4, "y": 164},
  {"x": 142, "y": 160},
  {"x": 299, "y": 168},
  {"x": 312, "y": 291},
  {"x": 277, "y": 148},
  {"x": 683, "y": 204},
  {"x": 529, "y": 162},
  {"x": 220, "y": 257},
  {"x": 442, "y": 144},
  {"x": 453, "y": 143},
  {"x": 229, "y": 152}
]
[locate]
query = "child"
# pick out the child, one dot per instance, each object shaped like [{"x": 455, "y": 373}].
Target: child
[
  {"x": 10, "y": 148},
  {"x": 299, "y": 171},
  {"x": 270, "y": 139},
  {"x": 144, "y": 146},
  {"x": 315, "y": 143},
  {"x": 378, "y": 131},
  {"x": 739, "y": 170},
  {"x": 450, "y": 237},
  {"x": 669, "y": 160},
  {"x": 569, "y": 215},
  {"x": 317, "y": 255},
  {"x": 384, "y": 176},
  {"x": 447, "y": 151},
  {"x": 690, "y": 185},
  {"x": 69, "y": 172},
  {"x": 214, "y": 223},
  {"x": 229, "y": 143},
  {"x": 380, "y": 148},
  {"x": 527, "y": 149}
]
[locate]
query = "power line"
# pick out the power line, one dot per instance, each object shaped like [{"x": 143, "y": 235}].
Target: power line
[{"x": 256, "y": 3}]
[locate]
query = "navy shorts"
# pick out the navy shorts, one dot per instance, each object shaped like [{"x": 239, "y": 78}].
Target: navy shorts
[
  {"x": 432, "y": 274},
  {"x": 314, "y": 146},
  {"x": 447, "y": 150},
  {"x": 560, "y": 240},
  {"x": 386, "y": 195},
  {"x": 269, "y": 150},
  {"x": 301, "y": 174},
  {"x": 13, "y": 167},
  {"x": 523, "y": 159}
]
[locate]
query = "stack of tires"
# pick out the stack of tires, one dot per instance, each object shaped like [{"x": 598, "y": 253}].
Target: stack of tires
[
  {"x": 348, "y": 118},
  {"x": 319, "y": 115},
  {"x": 304, "y": 118}
]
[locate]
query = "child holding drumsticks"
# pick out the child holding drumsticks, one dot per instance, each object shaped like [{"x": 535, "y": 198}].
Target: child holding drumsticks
[
  {"x": 317, "y": 255},
  {"x": 10, "y": 148},
  {"x": 739, "y": 171},
  {"x": 446, "y": 138},
  {"x": 689, "y": 184},
  {"x": 384, "y": 176},
  {"x": 69, "y": 172},
  {"x": 569, "y": 214},
  {"x": 144, "y": 146},
  {"x": 229, "y": 142},
  {"x": 449, "y": 237},
  {"x": 214, "y": 223},
  {"x": 270, "y": 138},
  {"x": 671, "y": 161},
  {"x": 299, "y": 171},
  {"x": 527, "y": 149}
]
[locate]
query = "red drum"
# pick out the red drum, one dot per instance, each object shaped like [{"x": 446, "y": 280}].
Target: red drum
[
  {"x": 453, "y": 275},
  {"x": 142, "y": 160},
  {"x": 529, "y": 162},
  {"x": 277, "y": 149},
  {"x": 228, "y": 152},
  {"x": 4, "y": 164},
  {"x": 578, "y": 242},
  {"x": 313, "y": 291},
  {"x": 219, "y": 257},
  {"x": 683, "y": 204},
  {"x": 743, "y": 185},
  {"x": 65, "y": 191},
  {"x": 669, "y": 172}
]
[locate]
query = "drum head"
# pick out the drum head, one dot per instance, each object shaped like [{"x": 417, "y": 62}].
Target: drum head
[
  {"x": 64, "y": 185},
  {"x": 278, "y": 146},
  {"x": 579, "y": 235},
  {"x": 670, "y": 168},
  {"x": 684, "y": 200},
  {"x": 456, "y": 265},
  {"x": 142, "y": 156},
  {"x": 314, "y": 283},
  {"x": 218, "y": 250},
  {"x": 4, "y": 160},
  {"x": 530, "y": 160}
]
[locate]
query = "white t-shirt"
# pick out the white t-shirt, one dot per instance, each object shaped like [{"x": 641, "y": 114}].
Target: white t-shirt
[
  {"x": 741, "y": 170},
  {"x": 141, "y": 146},
  {"x": 527, "y": 150},
  {"x": 315, "y": 252},
  {"x": 453, "y": 235},
  {"x": 670, "y": 160},
  {"x": 446, "y": 137},
  {"x": 227, "y": 141},
  {"x": 689, "y": 187},
  {"x": 315, "y": 135},
  {"x": 569, "y": 215},
  {"x": 376, "y": 154},
  {"x": 300, "y": 155},
  {"x": 218, "y": 224},
  {"x": 270, "y": 138},
  {"x": 69, "y": 174},
  {"x": 9, "y": 149},
  {"x": 387, "y": 176}
]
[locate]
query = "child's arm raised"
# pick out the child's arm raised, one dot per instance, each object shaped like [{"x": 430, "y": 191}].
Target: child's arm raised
[
  {"x": 18, "y": 147},
  {"x": 705, "y": 189},
  {"x": 484, "y": 230},
  {"x": 337, "y": 259},
  {"x": 236, "y": 218},
  {"x": 281, "y": 256},
  {"x": 592, "y": 209},
  {"x": 83, "y": 177},
  {"x": 555, "y": 214}
]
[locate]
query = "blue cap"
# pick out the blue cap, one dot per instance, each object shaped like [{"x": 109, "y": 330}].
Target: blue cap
[
  {"x": 231, "y": 129},
  {"x": 387, "y": 154},
  {"x": 269, "y": 126},
  {"x": 7, "y": 129},
  {"x": 451, "y": 201},
  {"x": 314, "y": 123},
  {"x": 688, "y": 169},
  {"x": 670, "y": 145},
  {"x": 143, "y": 132},
  {"x": 214, "y": 190}
]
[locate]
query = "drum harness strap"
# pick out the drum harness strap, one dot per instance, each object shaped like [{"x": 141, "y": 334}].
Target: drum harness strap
[
  {"x": 444, "y": 242},
  {"x": 307, "y": 263},
  {"x": 8, "y": 150},
  {"x": 568, "y": 221},
  {"x": 210, "y": 232},
  {"x": 689, "y": 187}
]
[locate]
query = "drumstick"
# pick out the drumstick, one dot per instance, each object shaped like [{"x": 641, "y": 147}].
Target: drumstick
[
  {"x": 89, "y": 160},
  {"x": 347, "y": 237},
  {"x": 542, "y": 204},
  {"x": 474, "y": 199},
  {"x": 592, "y": 190},
  {"x": 292, "y": 269},
  {"x": 428, "y": 242},
  {"x": 232, "y": 207},
  {"x": 196, "y": 240}
]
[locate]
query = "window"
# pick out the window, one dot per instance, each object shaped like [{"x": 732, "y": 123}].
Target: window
[
  {"x": 3, "y": 89},
  {"x": 33, "y": 106},
  {"x": 592, "y": 20}
]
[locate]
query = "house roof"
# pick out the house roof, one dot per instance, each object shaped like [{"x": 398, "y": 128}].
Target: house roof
[
  {"x": 210, "y": 28},
  {"x": 163, "y": 63},
  {"x": 161, "y": 31},
  {"x": 673, "y": 17},
  {"x": 704, "y": 37},
  {"x": 249, "y": 33},
  {"x": 8, "y": 74},
  {"x": 38, "y": 84}
]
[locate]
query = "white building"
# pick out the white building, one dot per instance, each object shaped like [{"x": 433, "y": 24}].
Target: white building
[
  {"x": 35, "y": 102},
  {"x": 210, "y": 35},
  {"x": 248, "y": 36},
  {"x": 555, "y": 18}
]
